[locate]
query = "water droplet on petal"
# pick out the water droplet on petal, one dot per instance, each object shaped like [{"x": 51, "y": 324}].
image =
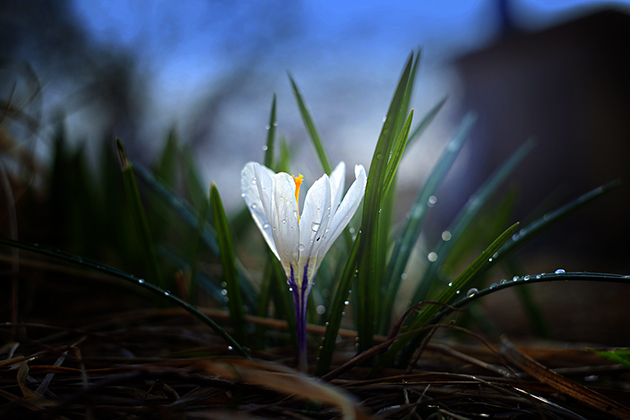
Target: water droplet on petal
[
  {"x": 450, "y": 284},
  {"x": 224, "y": 292},
  {"x": 253, "y": 206},
  {"x": 515, "y": 278},
  {"x": 431, "y": 201},
  {"x": 493, "y": 285},
  {"x": 266, "y": 226},
  {"x": 525, "y": 278},
  {"x": 446, "y": 236},
  {"x": 301, "y": 247},
  {"x": 284, "y": 221},
  {"x": 254, "y": 181},
  {"x": 560, "y": 271},
  {"x": 503, "y": 281},
  {"x": 267, "y": 127},
  {"x": 432, "y": 257},
  {"x": 471, "y": 292},
  {"x": 230, "y": 348},
  {"x": 347, "y": 302},
  {"x": 403, "y": 276},
  {"x": 315, "y": 226},
  {"x": 141, "y": 281},
  {"x": 167, "y": 293},
  {"x": 320, "y": 309}
]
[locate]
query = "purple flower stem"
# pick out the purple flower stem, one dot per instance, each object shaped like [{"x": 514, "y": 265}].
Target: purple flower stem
[{"x": 300, "y": 297}]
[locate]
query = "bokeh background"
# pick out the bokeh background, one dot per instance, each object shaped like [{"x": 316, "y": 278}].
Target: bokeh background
[{"x": 556, "y": 71}]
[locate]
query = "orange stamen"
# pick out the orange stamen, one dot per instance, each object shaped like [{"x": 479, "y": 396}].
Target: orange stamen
[{"x": 298, "y": 182}]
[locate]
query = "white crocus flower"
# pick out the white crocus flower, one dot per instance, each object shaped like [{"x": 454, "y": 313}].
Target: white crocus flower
[{"x": 300, "y": 241}]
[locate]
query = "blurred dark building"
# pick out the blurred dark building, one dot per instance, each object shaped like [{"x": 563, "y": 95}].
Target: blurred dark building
[{"x": 568, "y": 87}]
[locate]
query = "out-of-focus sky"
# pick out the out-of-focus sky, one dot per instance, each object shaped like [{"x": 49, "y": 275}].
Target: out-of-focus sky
[{"x": 345, "y": 55}]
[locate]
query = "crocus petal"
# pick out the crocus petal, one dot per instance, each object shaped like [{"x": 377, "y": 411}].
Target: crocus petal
[
  {"x": 256, "y": 184},
  {"x": 348, "y": 206},
  {"x": 283, "y": 219},
  {"x": 337, "y": 183},
  {"x": 313, "y": 225}
]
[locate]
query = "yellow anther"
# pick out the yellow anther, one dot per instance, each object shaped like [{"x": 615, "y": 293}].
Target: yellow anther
[{"x": 298, "y": 182}]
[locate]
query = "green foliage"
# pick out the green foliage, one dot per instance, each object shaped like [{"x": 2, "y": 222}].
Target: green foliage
[{"x": 230, "y": 276}]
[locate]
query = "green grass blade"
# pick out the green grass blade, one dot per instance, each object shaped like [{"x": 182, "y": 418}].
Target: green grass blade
[
  {"x": 166, "y": 167},
  {"x": 140, "y": 220},
  {"x": 620, "y": 356},
  {"x": 466, "y": 215},
  {"x": 86, "y": 263},
  {"x": 196, "y": 193},
  {"x": 310, "y": 128},
  {"x": 404, "y": 107},
  {"x": 271, "y": 136},
  {"x": 411, "y": 231},
  {"x": 559, "y": 276},
  {"x": 336, "y": 310},
  {"x": 397, "y": 153},
  {"x": 369, "y": 279},
  {"x": 415, "y": 134},
  {"x": 447, "y": 296},
  {"x": 190, "y": 216},
  {"x": 230, "y": 276}
]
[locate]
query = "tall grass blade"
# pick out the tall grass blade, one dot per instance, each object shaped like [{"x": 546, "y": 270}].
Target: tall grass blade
[
  {"x": 140, "y": 219},
  {"x": 466, "y": 215},
  {"x": 271, "y": 137},
  {"x": 369, "y": 279},
  {"x": 86, "y": 263},
  {"x": 411, "y": 231},
  {"x": 447, "y": 296},
  {"x": 230, "y": 276},
  {"x": 191, "y": 217},
  {"x": 397, "y": 153},
  {"x": 310, "y": 128},
  {"x": 424, "y": 123},
  {"x": 336, "y": 310}
]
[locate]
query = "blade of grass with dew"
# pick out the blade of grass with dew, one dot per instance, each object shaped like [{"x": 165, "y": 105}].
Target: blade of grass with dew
[
  {"x": 558, "y": 276},
  {"x": 310, "y": 128},
  {"x": 534, "y": 314},
  {"x": 397, "y": 153},
  {"x": 466, "y": 215},
  {"x": 447, "y": 296},
  {"x": 336, "y": 310},
  {"x": 547, "y": 220},
  {"x": 404, "y": 107},
  {"x": 411, "y": 231},
  {"x": 424, "y": 123},
  {"x": 195, "y": 242},
  {"x": 271, "y": 137},
  {"x": 191, "y": 217},
  {"x": 86, "y": 263},
  {"x": 230, "y": 276},
  {"x": 139, "y": 216},
  {"x": 369, "y": 280}
]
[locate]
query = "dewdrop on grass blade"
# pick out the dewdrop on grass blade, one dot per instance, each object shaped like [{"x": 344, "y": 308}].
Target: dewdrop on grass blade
[{"x": 300, "y": 241}]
